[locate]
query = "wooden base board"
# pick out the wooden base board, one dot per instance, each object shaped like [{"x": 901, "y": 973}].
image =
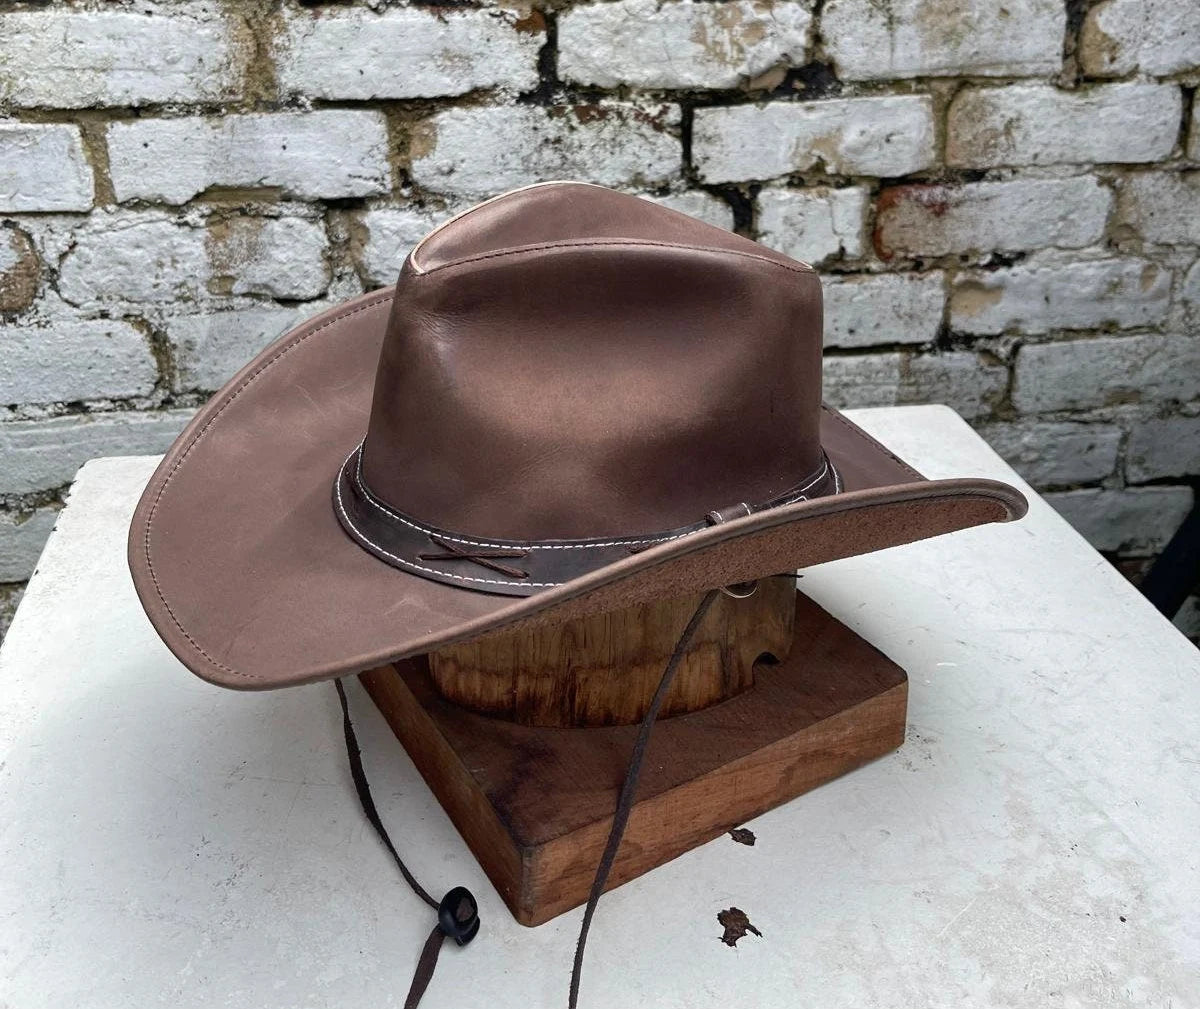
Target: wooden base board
[{"x": 535, "y": 804}]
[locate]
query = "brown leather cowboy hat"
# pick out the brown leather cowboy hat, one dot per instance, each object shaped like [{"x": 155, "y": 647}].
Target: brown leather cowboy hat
[{"x": 572, "y": 400}]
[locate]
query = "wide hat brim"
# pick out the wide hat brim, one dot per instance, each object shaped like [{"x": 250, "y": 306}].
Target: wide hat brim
[{"x": 247, "y": 575}]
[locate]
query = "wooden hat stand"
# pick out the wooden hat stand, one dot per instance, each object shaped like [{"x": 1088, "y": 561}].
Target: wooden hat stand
[{"x": 525, "y": 738}]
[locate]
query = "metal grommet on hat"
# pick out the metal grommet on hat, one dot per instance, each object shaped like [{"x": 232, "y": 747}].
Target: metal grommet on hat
[{"x": 740, "y": 590}]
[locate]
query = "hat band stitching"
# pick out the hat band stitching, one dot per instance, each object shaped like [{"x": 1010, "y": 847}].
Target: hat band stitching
[
  {"x": 367, "y": 541},
  {"x": 404, "y": 562},
  {"x": 792, "y": 497}
]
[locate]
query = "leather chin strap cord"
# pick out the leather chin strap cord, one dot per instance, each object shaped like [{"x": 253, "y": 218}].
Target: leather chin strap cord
[
  {"x": 458, "y": 915},
  {"x": 629, "y": 788}
]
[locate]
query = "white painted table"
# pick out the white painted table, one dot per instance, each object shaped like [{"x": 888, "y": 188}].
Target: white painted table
[{"x": 1035, "y": 843}]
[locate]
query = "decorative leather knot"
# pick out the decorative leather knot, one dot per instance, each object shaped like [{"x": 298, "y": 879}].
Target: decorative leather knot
[
  {"x": 485, "y": 558},
  {"x": 458, "y": 915}
]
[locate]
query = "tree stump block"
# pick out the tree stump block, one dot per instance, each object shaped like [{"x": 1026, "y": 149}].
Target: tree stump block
[
  {"x": 604, "y": 669},
  {"x": 534, "y": 799}
]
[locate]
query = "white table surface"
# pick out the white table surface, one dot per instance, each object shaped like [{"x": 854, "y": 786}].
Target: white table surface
[{"x": 1035, "y": 842}]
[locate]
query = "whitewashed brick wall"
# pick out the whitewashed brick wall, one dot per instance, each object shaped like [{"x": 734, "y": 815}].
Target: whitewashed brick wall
[{"x": 1004, "y": 199}]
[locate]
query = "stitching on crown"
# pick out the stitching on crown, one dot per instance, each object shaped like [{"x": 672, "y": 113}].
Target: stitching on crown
[{"x": 623, "y": 243}]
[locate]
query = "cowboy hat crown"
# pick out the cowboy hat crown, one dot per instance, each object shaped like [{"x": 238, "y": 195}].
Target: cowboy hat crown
[{"x": 568, "y": 363}]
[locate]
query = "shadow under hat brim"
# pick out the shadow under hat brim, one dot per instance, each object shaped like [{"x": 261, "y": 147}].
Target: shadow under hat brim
[{"x": 247, "y": 575}]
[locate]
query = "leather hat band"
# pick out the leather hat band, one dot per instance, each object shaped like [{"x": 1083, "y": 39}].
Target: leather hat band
[{"x": 511, "y": 567}]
